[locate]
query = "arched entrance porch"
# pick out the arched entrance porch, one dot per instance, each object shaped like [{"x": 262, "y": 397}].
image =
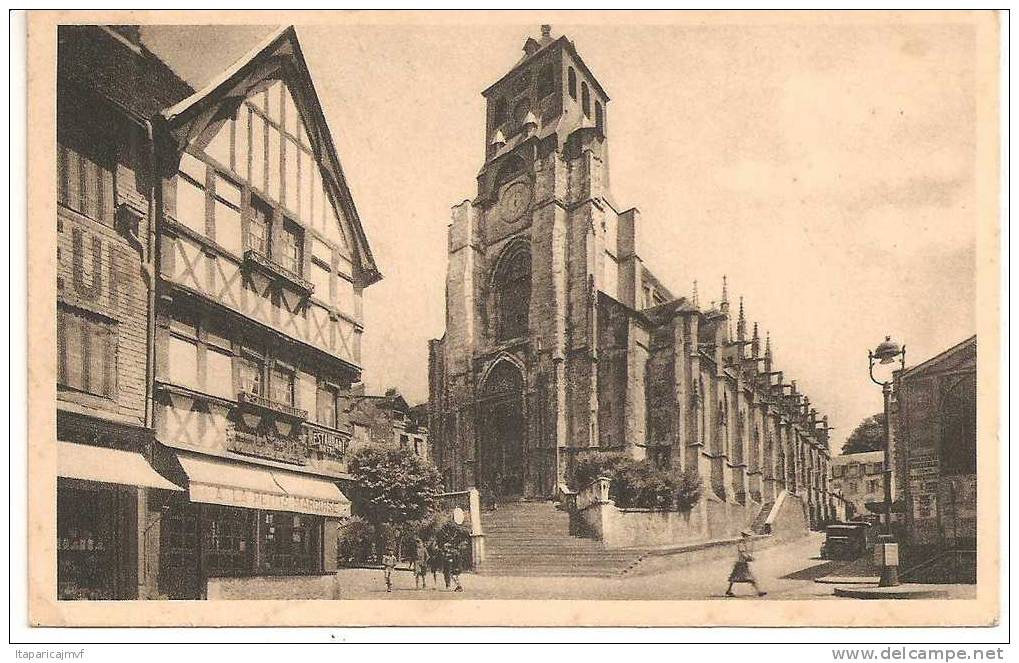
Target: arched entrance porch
[{"x": 502, "y": 432}]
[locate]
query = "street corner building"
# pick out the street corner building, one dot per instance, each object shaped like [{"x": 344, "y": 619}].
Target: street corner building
[
  {"x": 211, "y": 267},
  {"x": 935, "y": 458},
  {"x": 561, "y": 342}
]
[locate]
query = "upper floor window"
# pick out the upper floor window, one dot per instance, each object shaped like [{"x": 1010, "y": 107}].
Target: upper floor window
[
  {"x": 585, "y": 99},
  {"x": 259, "y": 227},
  {"x": 326, "y": 407},
  {"x": 291, "y": 253},
  {"x": 599, "y": 117},
  {"x": 86, "y": 160},
  {"x": 86, "y": 353},
  {"x": 571, "y": 83},
  {"x": 282, "y": 384},
  {"x": 251, "y": 370},
  {"x": 512, "y": 285},
  {"x": 198, "y": 358}
]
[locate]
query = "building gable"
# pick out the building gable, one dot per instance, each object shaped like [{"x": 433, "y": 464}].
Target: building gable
[{"x": 269, "y": 94}]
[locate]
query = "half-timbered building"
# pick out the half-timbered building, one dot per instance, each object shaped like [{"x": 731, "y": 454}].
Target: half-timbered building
[{"x": 249, "y": 246}]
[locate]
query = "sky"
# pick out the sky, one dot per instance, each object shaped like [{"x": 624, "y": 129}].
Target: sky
[{"x": 827, "y": 170}]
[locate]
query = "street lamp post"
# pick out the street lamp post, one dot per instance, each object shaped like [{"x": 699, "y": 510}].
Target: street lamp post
[{"x": 886, "y": 353}]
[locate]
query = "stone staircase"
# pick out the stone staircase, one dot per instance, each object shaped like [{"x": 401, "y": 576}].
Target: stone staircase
[
  {"x": 533, "y": 539},
  {"x": 759, "y": 525}
]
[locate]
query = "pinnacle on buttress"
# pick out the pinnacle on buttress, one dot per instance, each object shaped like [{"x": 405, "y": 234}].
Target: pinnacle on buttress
[
  {"x": 741, "y": 323},
  {"x": 724, "y": 307},
  {"x": 695, "y": 297},
  {"x": 767, "y": 346},
  {"x": 755, "y": 344}
]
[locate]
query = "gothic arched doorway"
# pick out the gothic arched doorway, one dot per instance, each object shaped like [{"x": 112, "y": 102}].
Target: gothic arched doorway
[{"x": 502, "y": 431}]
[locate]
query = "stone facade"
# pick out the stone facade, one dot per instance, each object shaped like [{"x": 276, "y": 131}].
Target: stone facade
[
  {"x": 859, "y": 478},
  {"x": 935, "y": 450},
  {"x": 560, "y": 342},
  {"x": 386, "y": 419}
]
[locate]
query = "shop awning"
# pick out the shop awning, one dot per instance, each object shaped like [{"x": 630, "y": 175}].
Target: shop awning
[
  {"x": 232, "y": 483},
  {"x": 129, "y": 468}
]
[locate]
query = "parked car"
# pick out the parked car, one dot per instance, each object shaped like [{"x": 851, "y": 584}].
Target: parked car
[{"x": 846, "y": 541}]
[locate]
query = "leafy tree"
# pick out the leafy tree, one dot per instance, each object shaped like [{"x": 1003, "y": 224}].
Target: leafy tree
[
  {"x": 869, "y": 435},
  {"x": 392, "y": 485},
  {"x": 688, "y": 490}
]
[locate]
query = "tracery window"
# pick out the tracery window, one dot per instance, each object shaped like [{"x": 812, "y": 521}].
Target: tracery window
[{"x": 512, "y": 290}]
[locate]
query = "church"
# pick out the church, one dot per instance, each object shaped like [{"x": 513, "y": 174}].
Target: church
[{"x": 560, "y": 341}]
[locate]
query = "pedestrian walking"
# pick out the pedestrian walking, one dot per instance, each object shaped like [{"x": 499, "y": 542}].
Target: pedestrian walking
[
  {"x": 452, "y": 567},
  {"x": 435, "y": 563},
  {"x": 447, "y": 556},
  {"x": 420, "y": 563},
  {"x": 388, "y": 564},
  {"x": 741, "y": 571}
]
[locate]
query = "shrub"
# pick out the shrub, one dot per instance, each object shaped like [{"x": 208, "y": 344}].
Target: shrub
[
  {"x": 354, "y": 545},
  {"x": 598, "y": 464},
  {"x": 688, "y": 490},
  {"x": 639, "y": 485}
]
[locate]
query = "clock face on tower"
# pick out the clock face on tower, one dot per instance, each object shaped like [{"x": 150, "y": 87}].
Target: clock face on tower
[{"x": 514, "y": 201}]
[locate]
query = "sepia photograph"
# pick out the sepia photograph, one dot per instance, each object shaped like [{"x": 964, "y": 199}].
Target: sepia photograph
[{"x": 505, "y": 318}]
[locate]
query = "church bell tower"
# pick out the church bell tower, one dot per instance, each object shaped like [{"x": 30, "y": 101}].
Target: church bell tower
[{"x": 514, "y": 379}]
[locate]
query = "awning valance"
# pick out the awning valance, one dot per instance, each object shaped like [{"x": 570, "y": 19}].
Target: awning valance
[
  {"x": 232, "y": 483},
  {"x": 128, "y": 468}
]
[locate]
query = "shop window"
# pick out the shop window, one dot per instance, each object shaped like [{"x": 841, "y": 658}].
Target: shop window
[
  {"x": 86, "y": 353},
  {"x": 290, "y": 542},
  {"x": 227, "y": 540},
  {"x": 86, "y": 543},
  {"x": 571, "y": 79},
  {"x": 585, "y": 99}
]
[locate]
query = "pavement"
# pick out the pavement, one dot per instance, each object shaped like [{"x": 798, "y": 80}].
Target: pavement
[{"x": 785, "y": 571}]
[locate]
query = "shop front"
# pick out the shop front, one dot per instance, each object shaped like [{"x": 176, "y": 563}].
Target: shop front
[
  {"x": 249, "y": 531},
  {"x": 99, "y": 493}
]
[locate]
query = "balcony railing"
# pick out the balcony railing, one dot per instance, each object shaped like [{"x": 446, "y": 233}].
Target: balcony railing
[
  {"x": 258, "y": 259},
  {"x": 261, "y": 402}
]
